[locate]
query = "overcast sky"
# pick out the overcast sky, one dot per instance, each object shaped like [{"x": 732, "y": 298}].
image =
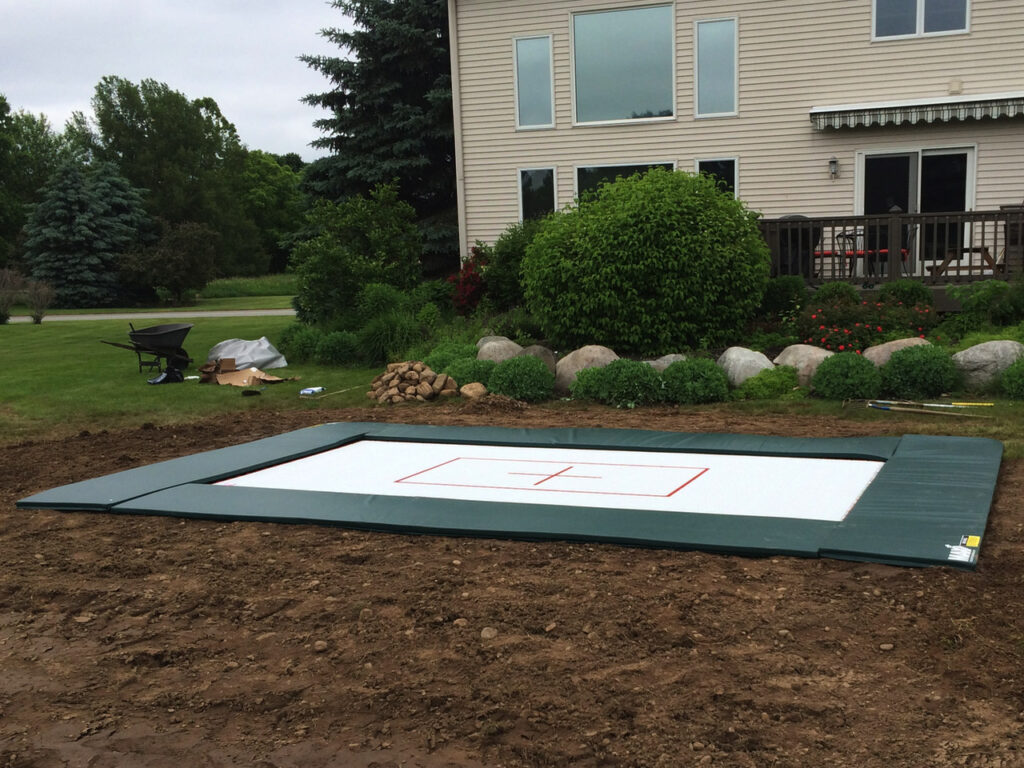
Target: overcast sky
[{"x": 242, "y": 53}]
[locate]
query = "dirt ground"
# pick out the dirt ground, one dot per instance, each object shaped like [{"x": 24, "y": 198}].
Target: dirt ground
[{"x": 134, "y": 641}]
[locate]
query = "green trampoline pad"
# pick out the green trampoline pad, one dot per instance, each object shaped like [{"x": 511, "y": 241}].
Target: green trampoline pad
[{"x": 913, "y": 500}]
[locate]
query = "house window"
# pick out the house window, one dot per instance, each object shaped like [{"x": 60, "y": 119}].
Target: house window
[
  {"x": 623, "y": 64},
  {"x": 536, "y": 192},
  {"x": 723, "y": 170},
  {"x": 716, "y": 67},
  {"x": 906, "y": 18},
  {"x": 534, "y": 107},
  {"x": 589, "y": 178}
]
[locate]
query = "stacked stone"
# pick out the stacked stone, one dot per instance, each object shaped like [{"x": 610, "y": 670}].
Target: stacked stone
[{"x": 411, "y": 380}]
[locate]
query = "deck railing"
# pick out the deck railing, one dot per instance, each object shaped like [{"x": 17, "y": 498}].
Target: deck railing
[{"x": 934, "y": 248}]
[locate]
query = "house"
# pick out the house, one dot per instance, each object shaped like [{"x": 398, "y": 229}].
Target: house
[{"x": 826, "y": 108}]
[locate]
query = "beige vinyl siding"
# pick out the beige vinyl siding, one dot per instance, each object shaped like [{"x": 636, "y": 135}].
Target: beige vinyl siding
[{"x": 793, "y": 55}]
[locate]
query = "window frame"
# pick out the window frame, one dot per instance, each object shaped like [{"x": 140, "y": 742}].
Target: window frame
[
  {"x": 697, "y": 114},
  {"x": 734, "y": 159},
  {"x": 551, "y": 75},
  {"x": 919, "y": 25},
  {"x": 519, "y": 185},
  {"x": 648, "y": 163},
  {"x": 674, "y": 65}
]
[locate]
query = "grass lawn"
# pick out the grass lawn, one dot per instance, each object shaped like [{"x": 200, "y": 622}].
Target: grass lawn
[
  {"x": 58, "y": 379},
  {"x": 225, "y": 302}
]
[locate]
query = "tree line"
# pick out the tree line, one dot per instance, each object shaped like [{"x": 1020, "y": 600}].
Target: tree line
[{"x": 153, "y": 193}]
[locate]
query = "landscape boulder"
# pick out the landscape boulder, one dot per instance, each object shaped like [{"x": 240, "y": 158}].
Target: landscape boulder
[
  {"x": 498, "y": 350},
  {"x": 805, "y": 358},
  {"x": 473, "y": 390},
  {"x": 410, "y": 380},
  {"x": 543, "y": 354},
  {"x": 740, "y": 364},
  {"x": 880, "y": 354},
  {"x": 983, "y": 364},
  {"x": 590, "y": 356},
  {"x": 665, "y": 361},
  {"x": 488, "y": 339}
]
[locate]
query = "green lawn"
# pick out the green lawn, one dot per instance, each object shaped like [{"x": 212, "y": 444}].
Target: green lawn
[
  {"x": 226, "y": 302},
  {"x": 57, "y": 378}
]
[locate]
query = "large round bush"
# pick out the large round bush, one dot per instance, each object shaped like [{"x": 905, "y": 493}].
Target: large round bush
[
  {"x": 923, "y": 371},
  {"x": 847, "y": 376},
  {"x": 689, "y": 382},
  {"x": 522, "y": 378},
  {"x": 467, "y": 370},
  {"x": 650, "y": 264}
]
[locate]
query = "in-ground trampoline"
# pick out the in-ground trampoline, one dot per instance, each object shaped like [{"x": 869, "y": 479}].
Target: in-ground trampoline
[{"x": 912, "y": 500}]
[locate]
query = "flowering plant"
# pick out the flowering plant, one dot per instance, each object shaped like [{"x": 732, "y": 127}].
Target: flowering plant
[{"x": 469, "y": 281}]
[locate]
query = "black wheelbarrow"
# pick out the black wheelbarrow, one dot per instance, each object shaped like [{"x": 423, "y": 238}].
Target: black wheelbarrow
[{"x": 158, "y": 346}]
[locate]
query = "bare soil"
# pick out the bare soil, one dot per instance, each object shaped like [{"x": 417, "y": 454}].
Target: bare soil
[{"x": 148, "y": 641}]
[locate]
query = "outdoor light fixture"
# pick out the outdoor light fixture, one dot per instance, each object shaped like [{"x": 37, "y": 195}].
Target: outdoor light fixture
[{"x": 833, "y": 167}]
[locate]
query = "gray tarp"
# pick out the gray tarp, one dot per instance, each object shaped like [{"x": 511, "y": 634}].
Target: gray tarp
[{"x": 248, "y": 354}]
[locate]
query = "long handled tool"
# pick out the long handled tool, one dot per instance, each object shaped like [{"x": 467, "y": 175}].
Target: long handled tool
[{"x": 881, "y": 406}]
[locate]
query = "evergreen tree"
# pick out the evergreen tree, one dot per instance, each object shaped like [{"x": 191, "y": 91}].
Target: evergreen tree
[
  {"x": 10, "y": 207},
  {"x": 391, "y": 115},
  {"x": 76, "y": 235}
]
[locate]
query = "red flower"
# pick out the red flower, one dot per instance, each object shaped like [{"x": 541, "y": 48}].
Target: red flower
[{"x": 841, "y": 347}]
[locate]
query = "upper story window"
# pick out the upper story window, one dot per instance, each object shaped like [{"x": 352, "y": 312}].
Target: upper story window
[
  {"x": 716, "y": 68},
  {"x": 624, "y": 64},
  {"x": 534, "y": 104},
  {"x": 907, "y": 18}
]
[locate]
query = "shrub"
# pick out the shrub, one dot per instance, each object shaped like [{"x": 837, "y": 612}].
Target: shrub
[
  {"x": 622, "y": 383},
  {"x": 783, "y": 295},
  {"x": 923, "y": 371},
  {"x": 652, "y": 263},
  {"x": 836, "y": 293},
  {"x": 38, "y": 296},
  {"x": 847, "y": 376},
  {"x": 769, "y": 384},
  {"x": 689, "y": 382},
  {"x": 1009, "y": 310},
  {"x": 385, "y": 337},
  {"x": 907, "y": 292},
  {"x": 468, "y": 282},
  {"x": 466, "y": 370},
  {"x": 522, "y": 378},
  {"x": 443, "y": 354},
  {"x": 336, "y": 348},
  {"x": 11, "y": 283},
  {"x": 517, "y": 324},
  {"x": 375, "y": 299},
  {"x": 502, "y": 274},
  {"x": 1012, "y": 381},
  {"x": 298, "y": 342}
]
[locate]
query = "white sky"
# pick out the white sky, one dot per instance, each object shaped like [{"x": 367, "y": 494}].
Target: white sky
[{"x": 242, "y": 53}]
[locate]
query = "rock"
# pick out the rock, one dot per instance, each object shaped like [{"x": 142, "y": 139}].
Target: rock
[
  {"x": 886, "y": 647},
  {"x": 488, "y": 633},
  {"x": 439, "y": 381},
  {"x": 498, "y": 350},
  {"x": 740, "y": 364},
  {"x": 487, "y": 339},
  {"x": 424, "y": 390},
  {"x": 473, "y": 391},
  {"x": 880, "y": 354},
  {"x": 805, "y": 358},
  {"x": 461, "y": 622},
  {"x": 665, "y": 361},
  {"x": 983, "y": 364},
  {"x": 543, "y": 354},
  {"x": 591, "y": 356},
  {"x": 320, "y": 646}
]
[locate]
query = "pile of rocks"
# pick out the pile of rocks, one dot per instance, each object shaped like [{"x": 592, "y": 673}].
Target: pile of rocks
[{"x": 411, "y": 380}]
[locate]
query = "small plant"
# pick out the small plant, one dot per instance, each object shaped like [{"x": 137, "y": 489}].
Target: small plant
[
  {"x": 336, "y": 348},
  {"x": 298, "y": 342},
  {"x": 847, "y": 376},
  {"x": 522, "y": 378},
  {"x": 690, "y": 382},
  {"x": 906, "y": 292},
  {"x": 385, "y": 337},
  {"x": 1012, "y": 380},
  {"x": 770, "y": 384},
  {"x": 922, "y": 371},
  {"x": 39, "y": 296},
  {"x": 468, "y": 283},
  {"x": 444, "y": 353},
  {"x": 467, "y": 370},
  {"x": 375, "y": 299},
  {"x": 783, "y": 295},
  {"x": 622, "y": 383},
  {"x": 836, "y": 293},
  {"x": 11, "y": 283}
]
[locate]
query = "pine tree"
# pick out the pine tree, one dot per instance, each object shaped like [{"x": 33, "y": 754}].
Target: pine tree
[
  {"x": 391, "y": 115},
  {"x": 75, "y": 236}
]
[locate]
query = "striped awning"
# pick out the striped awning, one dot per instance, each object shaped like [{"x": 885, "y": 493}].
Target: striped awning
[{"x": 913, "y": 111}]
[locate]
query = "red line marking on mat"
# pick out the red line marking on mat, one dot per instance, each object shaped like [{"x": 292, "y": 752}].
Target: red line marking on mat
[
  {"x": 428, "y": 469},
  {"x": 540, "y": 474},
  {"x": 556, "y": 474},
  {"x": 688, "y": 482}
]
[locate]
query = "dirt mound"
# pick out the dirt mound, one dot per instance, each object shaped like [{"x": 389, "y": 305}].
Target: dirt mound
[{"x": 150, "y": 641}]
